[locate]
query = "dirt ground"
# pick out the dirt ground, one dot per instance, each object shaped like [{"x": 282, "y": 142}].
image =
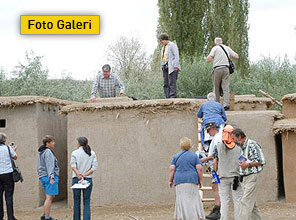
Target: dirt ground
[{"x": 273, "y": 210}]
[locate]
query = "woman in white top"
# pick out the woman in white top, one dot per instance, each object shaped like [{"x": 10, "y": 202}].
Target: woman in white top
[
  {"x": 7, "y": 153},
  {"x": 84, "y": 163}
]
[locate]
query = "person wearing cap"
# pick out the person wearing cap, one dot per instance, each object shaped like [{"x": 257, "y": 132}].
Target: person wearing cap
[
  {"x": 210, "y": 111},
  {"x": 106, "y": 84},
  {"x": 170, "y": 66},
  {"x": 228, "y": 170},
  {"x": 251, "y": 173},
  {"x": 221, "y": 75},
  {"x": 212, "y": 129}
]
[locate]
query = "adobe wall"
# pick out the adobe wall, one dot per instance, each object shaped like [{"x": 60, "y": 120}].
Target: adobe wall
[
  {"x": 289, "y": 164},
  {"x": 112, "y": 99},
  {"x": 27, "y": 121},
  {"x": 51, "y": 123},
  {"x": 249, "y": 106},
  {"x": 289, "y": 109},
  {"x": 249, "y": 103},
  {"x": 258, "y": 126},
  {"x": 287, "y": 128},
  {"x": 21, "y": 128},
  {"x": 289, "y": 105},
  {"x": 134, "y": 149}
]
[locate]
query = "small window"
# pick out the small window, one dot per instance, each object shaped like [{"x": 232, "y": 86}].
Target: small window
[{"x": 2, "y": 123}]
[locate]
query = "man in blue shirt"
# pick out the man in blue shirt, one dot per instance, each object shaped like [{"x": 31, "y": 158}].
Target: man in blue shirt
[{"x": 210, "y": 111}]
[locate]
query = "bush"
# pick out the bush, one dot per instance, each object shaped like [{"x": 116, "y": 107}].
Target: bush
[
  {"x": 195, "y": 78},
  {"x": 273, "y": 76},
  {"x": 149, "y": 86}
]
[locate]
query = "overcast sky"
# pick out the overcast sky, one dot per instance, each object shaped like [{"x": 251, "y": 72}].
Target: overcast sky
[{"x": 272, "y": 32}]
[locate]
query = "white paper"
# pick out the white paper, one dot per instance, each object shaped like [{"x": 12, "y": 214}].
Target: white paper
[{"x": 80, "y": 185}]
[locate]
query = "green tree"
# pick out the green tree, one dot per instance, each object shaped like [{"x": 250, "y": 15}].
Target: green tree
[
  {"x": 194, "y": 24},
  {"x": 229, "y": 19},
  {"x": 29, "y": 77},
  {"x": 239, "y": 40},
  {"x": 3, "y": 83},
  {"x": 184, "y": 21}
]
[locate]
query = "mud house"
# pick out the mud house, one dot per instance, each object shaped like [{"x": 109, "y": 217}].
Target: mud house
[
  {"x": 286, "y": 129},
  {"x": 135, "y": 141},
  {"x": 251, "y": 103},
  {"x": 25, "y": 120}
]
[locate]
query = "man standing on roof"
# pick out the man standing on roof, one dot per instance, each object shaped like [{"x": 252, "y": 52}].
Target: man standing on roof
[
  {"x": 170, "y": 66},
  {"x": 106, "y": 84},
  {"x": 221, "y": 70}
]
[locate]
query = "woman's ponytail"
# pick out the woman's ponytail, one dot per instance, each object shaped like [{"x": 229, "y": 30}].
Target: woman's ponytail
[
  {"x": 84, "y": 143},
  {"x": 87, "y": 150}
]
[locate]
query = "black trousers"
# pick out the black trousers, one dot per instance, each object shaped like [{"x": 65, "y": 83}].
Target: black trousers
[
  {"x": 170, "y": 83},
  {"x": 6, "y": 187}
]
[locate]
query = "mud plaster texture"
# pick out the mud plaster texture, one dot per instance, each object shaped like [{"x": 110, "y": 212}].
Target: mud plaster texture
[
  {"x": 27, "y": 121},
  {"x": 134, "y": 144},
  {"x": 258, "y": 126},
  {"x": 289, "y": 105},
  {"x": 287, "y": 128},
  {"x": 289, "y": 164},
  {"x": 249, "y": 103}
]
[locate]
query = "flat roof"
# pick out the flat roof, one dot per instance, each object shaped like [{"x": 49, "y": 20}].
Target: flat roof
[
  {"x": 290, "y": 97},
  {"x": 284, "y": 125},
  {"x": 14, "y": 101},
  {"x": 158, "y": 104}
]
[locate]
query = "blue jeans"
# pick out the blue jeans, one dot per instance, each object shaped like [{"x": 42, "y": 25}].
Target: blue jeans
[{"x": 86, "y": 200}]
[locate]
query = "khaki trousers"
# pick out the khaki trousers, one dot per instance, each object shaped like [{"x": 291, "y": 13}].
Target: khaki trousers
[
  {"x": 248, "y": 208},
  {"x": 221, "y": 77},
  {"x": 225, "y": 186}
]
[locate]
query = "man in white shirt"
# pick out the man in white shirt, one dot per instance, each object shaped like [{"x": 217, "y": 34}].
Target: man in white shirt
[
  {"x": 212, "y": 129},
  {"x": 221, "y": 69}
]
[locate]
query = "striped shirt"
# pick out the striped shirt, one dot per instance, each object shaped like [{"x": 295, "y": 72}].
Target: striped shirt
[
  {"x": 5, "y": 162},
  {"x": 107, "y": 86},
  {"x": 253, "y": 152}
]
